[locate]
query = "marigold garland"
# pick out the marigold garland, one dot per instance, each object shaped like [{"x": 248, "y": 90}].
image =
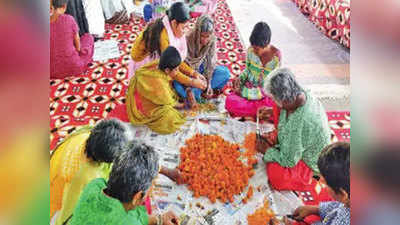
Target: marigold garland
[
  {"x": 211, "y": 167},
  {"x": 250, "y": 146},
  {"x": 262, "y": 215}
]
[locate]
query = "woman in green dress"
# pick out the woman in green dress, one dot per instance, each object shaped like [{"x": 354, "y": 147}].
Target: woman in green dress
[{"x": 303, "y": 132}]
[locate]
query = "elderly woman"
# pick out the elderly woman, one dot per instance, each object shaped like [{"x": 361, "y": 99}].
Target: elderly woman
[
  {"x": 303, "y": 132},
  {"x": 202, "y": 57},
  {"x": 119, "y": 200}
]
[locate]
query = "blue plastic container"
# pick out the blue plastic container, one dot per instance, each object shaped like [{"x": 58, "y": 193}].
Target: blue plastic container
[{"x": 147, "y": 12}]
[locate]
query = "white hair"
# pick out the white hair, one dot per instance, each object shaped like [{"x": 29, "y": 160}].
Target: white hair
[{"x": 282, "y": 85}]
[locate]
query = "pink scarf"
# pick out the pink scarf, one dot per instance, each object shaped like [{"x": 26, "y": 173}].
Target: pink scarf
[{"x": 178, "y": 43}]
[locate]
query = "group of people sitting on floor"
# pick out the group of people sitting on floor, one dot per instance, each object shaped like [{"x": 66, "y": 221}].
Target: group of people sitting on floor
[
  {"x": 86, "y": 19},
  {"x": 189, "y": 71},
  {"x": 101, "y": 175}
]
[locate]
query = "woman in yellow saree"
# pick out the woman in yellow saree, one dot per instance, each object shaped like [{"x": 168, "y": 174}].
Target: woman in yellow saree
[
  {"x": 151, "y": 101},
  {"x": 84, "y": 155}
]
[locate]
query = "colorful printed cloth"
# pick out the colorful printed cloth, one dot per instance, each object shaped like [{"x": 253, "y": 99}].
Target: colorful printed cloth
[
  {"x": 332, "y": 17},
  {"x": 253, "y": 77},
  {"x": 251, "y": 85},
  {"x": 303, "y": 5}
]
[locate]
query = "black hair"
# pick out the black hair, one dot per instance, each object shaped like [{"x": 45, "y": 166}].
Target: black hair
[
  {"x": 151, "y": 36},
  {"x": 133, "y": 171},
  {"x": 106, "y": 140},
  {"x": 152, "y": 33},
  {"x": 170, "y": 58},
  {"x": 59, "y": 3},
  {"x": 334, "y": 166},
  {"x": 179, "y": 12},
  {"x": 261, "y": 35}
]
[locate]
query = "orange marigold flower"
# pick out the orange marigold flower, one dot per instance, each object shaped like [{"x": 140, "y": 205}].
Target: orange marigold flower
[
  {"x": 262, "y": 216},
  {"x": 211, "y": 168}
]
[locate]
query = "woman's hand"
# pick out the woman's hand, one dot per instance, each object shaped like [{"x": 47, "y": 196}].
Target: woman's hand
[
  {"x": 303, "y": 211},
  {"x": 179, "y": 106},
  {"x": 169, "y": 218},
  {"x": 77, "y": 42},
  {"x": 236, "y": 86},
  {"x": 286, "y": 221},
  {"x": 262, "y": 144},
  {"x": 264, "y": 113},
  {"x": 201, "y": 77},
  {"x": 172, "y": 174},
  {"x": 198, "y": 83},
  {"x": 209, "y": 92},
  {"x": 271, "y": 137}
]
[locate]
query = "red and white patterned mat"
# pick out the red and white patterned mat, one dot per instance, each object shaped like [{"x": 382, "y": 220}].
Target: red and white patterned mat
[{"x": 84, "y": 99}]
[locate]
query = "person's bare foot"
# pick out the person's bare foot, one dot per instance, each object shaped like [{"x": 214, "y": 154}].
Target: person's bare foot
[{"x": 191, "y": 99}]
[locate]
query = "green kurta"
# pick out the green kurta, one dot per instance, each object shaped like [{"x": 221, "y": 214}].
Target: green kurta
[
  {"x": 301, "y": 136},
  {"x": 72, "y": 191},
  {"x": 95, "y": 208}
]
